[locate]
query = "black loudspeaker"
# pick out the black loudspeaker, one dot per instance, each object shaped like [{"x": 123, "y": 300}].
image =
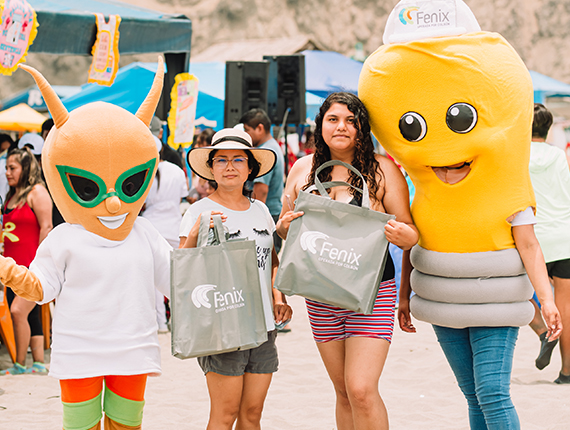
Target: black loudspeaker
[
  {"x": 246, "y": 88},
  {"x": 286, "y": 88}
]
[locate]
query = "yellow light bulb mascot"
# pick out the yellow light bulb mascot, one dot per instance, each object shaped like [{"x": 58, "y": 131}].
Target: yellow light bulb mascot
[
  {"x": 446, "y": 101},
  {"x": 454, "y": 105},
  {"x": 103, "y": 264}
]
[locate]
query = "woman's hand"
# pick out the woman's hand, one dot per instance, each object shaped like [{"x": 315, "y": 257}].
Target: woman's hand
[
  {"x": 404, "y": 316},
  {"x": 282, "y": 312},
  {"x": 401, "y": 234},
  {"x": 552, "y": 320},
  {"x": 284, "y": 223},
  {"x": 192, "y": 239}
]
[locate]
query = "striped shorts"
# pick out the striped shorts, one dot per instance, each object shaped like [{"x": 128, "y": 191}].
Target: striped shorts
[{"x": 332, "y": 323}]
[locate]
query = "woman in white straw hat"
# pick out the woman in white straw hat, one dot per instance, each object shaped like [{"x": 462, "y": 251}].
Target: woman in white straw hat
[{"x": 238, "y": 381}]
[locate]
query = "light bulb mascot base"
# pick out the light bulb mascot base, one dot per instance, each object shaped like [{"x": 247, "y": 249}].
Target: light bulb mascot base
[{"x": 102, "y": 266}]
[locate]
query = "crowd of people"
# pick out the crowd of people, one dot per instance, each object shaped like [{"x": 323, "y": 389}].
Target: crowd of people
[
  {"x": 27, "y": 219},
  {"x": 238, "y": 173},
  {"x": 451, "y": 103}
]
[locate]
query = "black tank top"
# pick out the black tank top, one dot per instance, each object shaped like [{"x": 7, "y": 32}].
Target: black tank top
[{"x": 389, "y": 270}]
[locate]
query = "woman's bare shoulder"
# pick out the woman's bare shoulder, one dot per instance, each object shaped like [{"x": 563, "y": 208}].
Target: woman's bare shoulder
[
  {"x": 384, "y": 161},
  {"x": 39, "y": 189},
  {"x": 298, "y": 175},
  {"x": 38, "y": 192},
  {"x": 304, "y": 162},
  {"x": 389, "y": 168},
  {"x": 301, "y": 168}
]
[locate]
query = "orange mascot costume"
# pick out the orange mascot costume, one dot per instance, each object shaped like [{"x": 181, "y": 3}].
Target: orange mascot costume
[{"x": 102, "y": 266}]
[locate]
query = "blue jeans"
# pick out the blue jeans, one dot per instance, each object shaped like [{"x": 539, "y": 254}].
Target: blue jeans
[{"x": 482, "y": 360}]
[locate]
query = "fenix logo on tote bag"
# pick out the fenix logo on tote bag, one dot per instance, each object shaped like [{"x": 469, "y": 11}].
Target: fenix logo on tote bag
[
  {"x": 215, "y": 295},
  {"x": 328, "y": 253},
  {"x": 199, "y": 295},
  {"x": 222, "y": 301},
  {"x": 335, "y": 253}
]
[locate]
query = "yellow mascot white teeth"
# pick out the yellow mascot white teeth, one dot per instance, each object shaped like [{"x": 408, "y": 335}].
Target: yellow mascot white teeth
[{"x": 453, "y": 105}]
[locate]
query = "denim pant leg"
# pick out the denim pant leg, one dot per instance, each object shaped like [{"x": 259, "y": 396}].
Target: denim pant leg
[
  {"x": 456, "y": 346},
  {"x": 493, "y": 349}
]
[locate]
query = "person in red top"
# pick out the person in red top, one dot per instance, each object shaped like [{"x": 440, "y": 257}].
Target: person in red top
[{"x": 27, "y": 219}]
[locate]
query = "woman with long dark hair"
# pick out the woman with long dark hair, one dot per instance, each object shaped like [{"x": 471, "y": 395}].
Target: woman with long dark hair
[
  {"x": 354, "y": 346},
  {"x": 27, "y": 221}
]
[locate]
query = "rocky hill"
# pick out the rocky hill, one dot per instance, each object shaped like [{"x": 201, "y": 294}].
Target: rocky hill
[{"x": 538, "y": 29}]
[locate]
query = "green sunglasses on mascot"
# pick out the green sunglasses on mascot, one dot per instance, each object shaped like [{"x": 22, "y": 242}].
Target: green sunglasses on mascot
[{"x": 88, "y": 190}]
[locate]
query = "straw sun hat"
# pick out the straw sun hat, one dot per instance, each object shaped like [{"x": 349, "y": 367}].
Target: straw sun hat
[{"x": 230, "y": 138}]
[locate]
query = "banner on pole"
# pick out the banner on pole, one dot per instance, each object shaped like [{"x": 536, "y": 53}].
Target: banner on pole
[
  {"x": 105, "y": 51},
  {"x": 17, "y": 32},
  {"x": 184, "y": 97}
]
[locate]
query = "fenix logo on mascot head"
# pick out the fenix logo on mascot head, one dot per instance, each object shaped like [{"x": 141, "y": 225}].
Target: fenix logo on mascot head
[
  {"x": 425, "y": 14},
  {"x": 222, "y": 301},
  {"x": 327, "y": 252},
  {"x": 406, "y": 15}
]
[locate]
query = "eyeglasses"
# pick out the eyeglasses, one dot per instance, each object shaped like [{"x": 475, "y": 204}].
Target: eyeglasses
[
  {"x": 88, "y": 190},
  {"x": 222, "y": 163}
]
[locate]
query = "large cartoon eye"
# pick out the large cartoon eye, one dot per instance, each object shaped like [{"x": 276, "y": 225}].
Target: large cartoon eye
[
  {"x": 413, "y": 126},
  {"x": 133, "y": 183},
  {"x": 461, "y": 118},
  {"x": 86, "y": 189}
]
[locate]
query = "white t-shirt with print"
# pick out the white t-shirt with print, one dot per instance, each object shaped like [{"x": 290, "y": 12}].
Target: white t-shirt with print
[
  {"x": 255, "y": 224},
  {"x": 105, "y": 317}
]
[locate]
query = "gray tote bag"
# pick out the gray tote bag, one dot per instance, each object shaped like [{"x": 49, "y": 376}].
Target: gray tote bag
[
  {"x": 336, "y": 252},
  {"x": 215, "y": 295}
]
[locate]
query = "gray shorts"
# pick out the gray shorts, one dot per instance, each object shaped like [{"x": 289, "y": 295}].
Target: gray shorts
[{"x": 262, "y": 359}]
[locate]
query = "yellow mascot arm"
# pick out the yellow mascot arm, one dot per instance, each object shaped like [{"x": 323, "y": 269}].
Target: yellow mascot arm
[{"x": 23, "y": 282}]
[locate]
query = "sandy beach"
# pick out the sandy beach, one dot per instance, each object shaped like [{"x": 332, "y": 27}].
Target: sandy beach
[{"x": 417, "y": 386}]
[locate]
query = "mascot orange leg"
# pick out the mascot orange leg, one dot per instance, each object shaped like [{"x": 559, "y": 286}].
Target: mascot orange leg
[{"x": 123, "y": 402}]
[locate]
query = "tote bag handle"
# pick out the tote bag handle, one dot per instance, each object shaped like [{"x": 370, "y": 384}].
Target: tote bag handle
[
  {"x": 332, "y": 184},
  {"x": 218, "y": 230},
  {"x": 321, "y": 188}
]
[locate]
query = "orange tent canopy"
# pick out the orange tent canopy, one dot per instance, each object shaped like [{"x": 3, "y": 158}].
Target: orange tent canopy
[{"x": 21, "y": 118}]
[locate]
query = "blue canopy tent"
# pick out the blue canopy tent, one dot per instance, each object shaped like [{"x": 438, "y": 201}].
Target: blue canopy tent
[
  {"x": 327, "y": 72},
  {"x": 545, "y": 86},
  {"x": 32, "y": 96},
  {"x": 68, "y": 27},
  {"x": 209, "y": 111},
  {"x": 130, "y": 88},
  {"x": 313, "y": 103},
  {"x": 212, "y": 77},
  {"x": 212, "y": 85}
]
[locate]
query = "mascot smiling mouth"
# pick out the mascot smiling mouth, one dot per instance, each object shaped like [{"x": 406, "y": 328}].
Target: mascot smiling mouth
[
  {"x": 454, "y": 173},
  {"x": 112, "y": 222}
]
